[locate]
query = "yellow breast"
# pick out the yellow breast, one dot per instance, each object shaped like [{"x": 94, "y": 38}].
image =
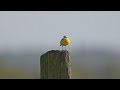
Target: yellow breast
[{"x": 64, "y": 42}]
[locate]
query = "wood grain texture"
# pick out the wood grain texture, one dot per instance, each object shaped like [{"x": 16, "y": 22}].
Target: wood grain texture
[{"x": 55, "y": 64}]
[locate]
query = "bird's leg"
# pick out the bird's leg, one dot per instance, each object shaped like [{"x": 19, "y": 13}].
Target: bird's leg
[
  {"x": 65, "y": 47},
  {"x": 62, "y": 48}
]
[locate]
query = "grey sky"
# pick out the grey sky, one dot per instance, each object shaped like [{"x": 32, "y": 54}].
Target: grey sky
[{"x": 36, "y": 29}]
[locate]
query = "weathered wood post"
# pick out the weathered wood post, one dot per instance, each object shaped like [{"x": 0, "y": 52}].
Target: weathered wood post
[{"x": 55, "y": 64}]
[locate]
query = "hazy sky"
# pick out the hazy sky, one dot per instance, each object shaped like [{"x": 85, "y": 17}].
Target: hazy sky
[{"x": 41, "y": 28}]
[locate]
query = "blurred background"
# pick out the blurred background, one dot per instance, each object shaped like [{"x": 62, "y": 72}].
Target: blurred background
[{"x": 26, "y": 35}]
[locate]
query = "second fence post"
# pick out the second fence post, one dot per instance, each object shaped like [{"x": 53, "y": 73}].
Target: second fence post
[{"x": 55, "y": 64}]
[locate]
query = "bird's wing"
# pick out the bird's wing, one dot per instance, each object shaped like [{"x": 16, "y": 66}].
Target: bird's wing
[{"x": 61, "y": 41}]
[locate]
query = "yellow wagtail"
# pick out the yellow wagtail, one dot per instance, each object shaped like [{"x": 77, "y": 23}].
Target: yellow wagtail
[{"x": 64, "y": 42}]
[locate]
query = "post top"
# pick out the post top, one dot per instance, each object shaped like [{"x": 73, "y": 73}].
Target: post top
[{"x": 56, "y": 51}]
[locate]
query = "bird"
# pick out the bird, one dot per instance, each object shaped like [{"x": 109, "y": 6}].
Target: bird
[{"x": 64, "y": 41}]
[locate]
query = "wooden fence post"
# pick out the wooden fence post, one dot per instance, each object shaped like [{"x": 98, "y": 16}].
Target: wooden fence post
[{"x": 55, "y": 64}]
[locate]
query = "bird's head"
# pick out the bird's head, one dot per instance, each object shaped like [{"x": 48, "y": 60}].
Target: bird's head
[{"x": 65, "y": 36}]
